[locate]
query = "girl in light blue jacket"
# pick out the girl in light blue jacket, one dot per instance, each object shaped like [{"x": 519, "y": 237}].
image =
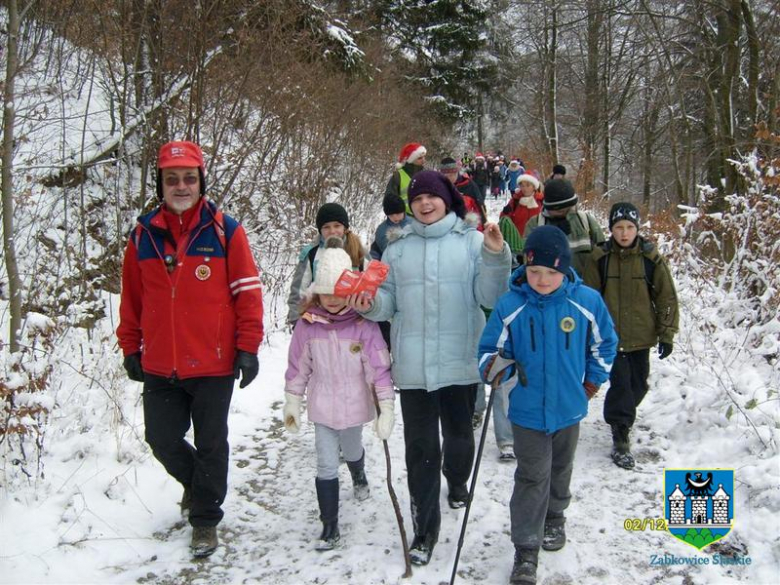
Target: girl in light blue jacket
[{"x": 441, "y": 270}]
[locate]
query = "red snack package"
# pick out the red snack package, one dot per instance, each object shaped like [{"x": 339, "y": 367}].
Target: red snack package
[{"x": 368, "y": 281}]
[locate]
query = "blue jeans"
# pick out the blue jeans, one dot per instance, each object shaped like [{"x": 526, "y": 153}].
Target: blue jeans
[{"x": 501, "y": 425}]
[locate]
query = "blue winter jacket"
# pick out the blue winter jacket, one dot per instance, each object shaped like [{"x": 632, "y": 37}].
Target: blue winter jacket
[
  {"x": 380, "y": 236},
  {"x": 439, "y": 276},
  {"x": 561, "y": 340}
]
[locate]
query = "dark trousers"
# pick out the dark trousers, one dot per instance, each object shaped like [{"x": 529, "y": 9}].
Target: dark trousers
[
  {"x": 169, "y": 406},
  {"x": 542, "y": 479},
  {"x": 422, "y": 411},
  {"x": 627, "y": 387}
]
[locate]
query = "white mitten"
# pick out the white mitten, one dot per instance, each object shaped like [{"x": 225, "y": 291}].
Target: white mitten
[
  {"x": 383, "y": 425},
  {"x": 292, "y": 412}
]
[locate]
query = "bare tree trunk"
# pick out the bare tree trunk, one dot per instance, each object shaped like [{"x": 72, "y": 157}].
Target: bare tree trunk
[
  {"x": 592, "y": 109},
  {"x": 552, "y": 88},
  {"x": 754, "y": 70},
  {"x": 9, "y": 118}
]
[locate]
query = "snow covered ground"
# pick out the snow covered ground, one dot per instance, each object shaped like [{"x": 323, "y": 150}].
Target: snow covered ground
[{"x": 106, "y": 512}]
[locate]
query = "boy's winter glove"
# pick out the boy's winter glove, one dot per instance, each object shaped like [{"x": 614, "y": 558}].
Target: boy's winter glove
[
  {"x": 247, "y": 366},
  {"x": 132, "y": 364},
  {"x": 496, "y": 367},
  {"x": 590, "y": 389},
  {"x": 665, "y": 349},
  {"x": 383, "y": 425},
  {"x": 292, "y": 412}
]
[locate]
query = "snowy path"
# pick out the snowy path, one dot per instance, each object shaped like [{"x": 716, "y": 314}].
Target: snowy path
[{"x": 271, "y": 516}]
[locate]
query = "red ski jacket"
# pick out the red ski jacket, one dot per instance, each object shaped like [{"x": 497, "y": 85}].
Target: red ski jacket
[{"x": 189, "y": 304}]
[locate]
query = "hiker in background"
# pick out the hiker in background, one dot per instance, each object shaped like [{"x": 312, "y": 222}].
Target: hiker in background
[
  {"x": 558, "y": 172},
  {"x": 332, "y": 220},
  {"x": 480, "y": 174},
  {"x": 395, "y": 217},
  {"x": 188, "y": 348},
  {"x": 337, "y": 359},
  {"x": 559, "y": 208},
  {"x": 526, "y": 201},
  {"x": 637, "y": 285},
  {"x": 441, "y": 271},
  {"x": 449, "y": 168},
  {"x": 514, "y": 171},
  {"x": 411, "y": 161},
  {"x": 555, "y": 337}
]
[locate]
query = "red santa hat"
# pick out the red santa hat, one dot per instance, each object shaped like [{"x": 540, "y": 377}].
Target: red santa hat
[{"x": 410, "y": 153}]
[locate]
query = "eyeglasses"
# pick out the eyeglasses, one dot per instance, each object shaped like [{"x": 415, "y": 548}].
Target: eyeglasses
[{"x": 173, "y": 180}]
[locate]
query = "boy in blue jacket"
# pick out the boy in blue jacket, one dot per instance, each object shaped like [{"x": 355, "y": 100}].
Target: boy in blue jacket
[{"x": 557, "y": 336}]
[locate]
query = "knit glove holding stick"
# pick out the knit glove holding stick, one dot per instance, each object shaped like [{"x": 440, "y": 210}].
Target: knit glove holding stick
[
  {"x": 383, "y": 425},
  {"x": 292, "y": 412}
]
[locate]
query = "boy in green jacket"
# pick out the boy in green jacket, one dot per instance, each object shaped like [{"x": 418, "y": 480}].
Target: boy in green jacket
[{"x": 637, "y": 286}]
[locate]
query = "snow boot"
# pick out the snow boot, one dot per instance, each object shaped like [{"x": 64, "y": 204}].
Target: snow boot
[
  {"x": 554, "y": 532},
  {"x": 476, "y": 421},
  {"x": 357, "y": 470},
  {"x": 458, "y": 496},
  {"x": 204, "y": 541},
  {"x": 422, "y": 548},
  {"x": 524, "y": 569},
  {"x": 328, "y": 498},
  {"x": 621, "y": 447},
  {"x": 506, "y": 453}
]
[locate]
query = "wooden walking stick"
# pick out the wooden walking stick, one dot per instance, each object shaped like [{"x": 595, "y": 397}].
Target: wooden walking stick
[{"x": 396, "y": 507}]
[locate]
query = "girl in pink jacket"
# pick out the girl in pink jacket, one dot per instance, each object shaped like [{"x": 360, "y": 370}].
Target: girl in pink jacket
[{"x": 336, "y": 357}]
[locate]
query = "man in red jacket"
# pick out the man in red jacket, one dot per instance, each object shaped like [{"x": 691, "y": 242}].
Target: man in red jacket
[{"x": 191, "y": 322}]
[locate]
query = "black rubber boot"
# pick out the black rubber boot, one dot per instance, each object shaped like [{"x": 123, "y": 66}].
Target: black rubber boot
[
  {"x": 357, "y": 470},
  {"x": 524, "y": 569},
  {"x": 328, "y": 498},
  {"x": 422, "y": 548},
  {"x": 621, "y": 447}
]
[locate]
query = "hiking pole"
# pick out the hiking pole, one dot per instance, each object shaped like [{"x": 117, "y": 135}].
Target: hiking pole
[
  {"x": 396, "y": 507},
  {"x": 488, "y": 409}
]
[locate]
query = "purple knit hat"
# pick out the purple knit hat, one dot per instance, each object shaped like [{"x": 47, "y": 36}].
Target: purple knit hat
[{"x": 434, "y": 183}]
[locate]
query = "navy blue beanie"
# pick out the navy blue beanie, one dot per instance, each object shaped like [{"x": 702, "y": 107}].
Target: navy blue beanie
[
  {"x": 434, "y": 183},
  {"x": 548, "y": 246}
]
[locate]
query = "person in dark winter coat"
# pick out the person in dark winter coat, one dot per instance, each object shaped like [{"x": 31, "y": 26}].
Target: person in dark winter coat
[
  {"x": 559, "y": 208},
  {"x": 411, "y": 161},
  {"x": 332, "y": 220},
  {"x": 449, "y": 168},
  {"x": 190, "y": 323},
  {"x": 480, "y": 174},
  {"x": 441, "y": 271},
  {"x": 637, "y": 285},
  {"x": 338, "y": 359},
  {"x": 556, "y": 337}
]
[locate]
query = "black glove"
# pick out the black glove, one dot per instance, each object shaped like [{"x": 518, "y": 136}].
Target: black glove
[
  {"x": 507, "y": 210},
  {"x": 665, "y": 350},
  {"x": 247, "y": 366},
  {"x": 133, "y": 367}
]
